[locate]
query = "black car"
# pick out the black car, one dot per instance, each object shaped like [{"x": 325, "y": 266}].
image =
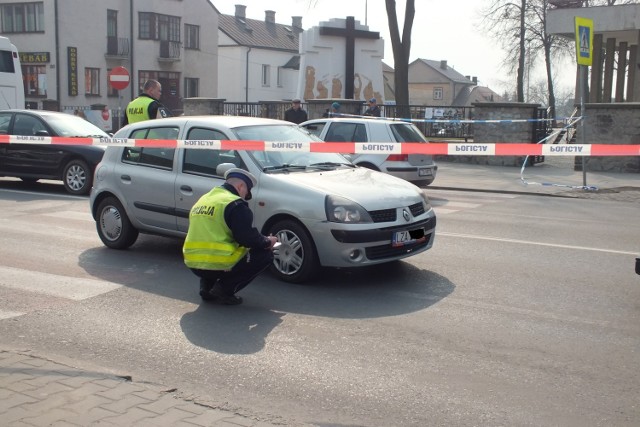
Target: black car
[{"x": 73, "y": 164}]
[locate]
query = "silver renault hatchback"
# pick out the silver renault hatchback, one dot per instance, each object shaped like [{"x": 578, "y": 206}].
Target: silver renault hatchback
[{"x": 325, "y": 211}]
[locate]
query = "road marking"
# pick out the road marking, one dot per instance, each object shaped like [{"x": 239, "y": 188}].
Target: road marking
[
  {"x": 528, "y": 242},
  {"x": 73, "y": 288},
  {"x": 46, "y": 194},
  {"x": 444, "y": 211},
  {"x": 444, "y": 206},
  {"x": 10, "y": 314},
  {"x": 85, "y": 216}
]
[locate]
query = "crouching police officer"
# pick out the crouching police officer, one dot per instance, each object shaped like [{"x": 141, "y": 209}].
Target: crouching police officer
[{"x": 222, "y": 247}]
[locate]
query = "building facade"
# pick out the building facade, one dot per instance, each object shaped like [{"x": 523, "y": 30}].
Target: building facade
[
  {"x": 259, "y": 60},
  {"x": 435, "y": 83},
  {"x": 68, "y": 48}
]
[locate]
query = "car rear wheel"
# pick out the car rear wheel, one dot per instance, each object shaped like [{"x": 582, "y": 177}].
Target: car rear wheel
[
  {"x": 77, "y": 177},
  {"x": 113, "y": 225},
  {"x": 296, "y": 259}
]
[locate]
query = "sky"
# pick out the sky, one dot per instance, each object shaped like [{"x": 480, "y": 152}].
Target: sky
[{"x": 442, "y": 30}]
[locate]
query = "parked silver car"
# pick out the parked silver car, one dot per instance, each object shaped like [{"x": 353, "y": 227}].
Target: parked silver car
[
  {"x": 419, "y": 169},
  {"x": 325, "y": 211}
]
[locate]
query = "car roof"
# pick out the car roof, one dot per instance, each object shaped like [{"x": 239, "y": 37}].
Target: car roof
[
  {"x": 37, "y": 112},
  {"x": 226, "y": 121},
  {"x": 354, "y": 120}
]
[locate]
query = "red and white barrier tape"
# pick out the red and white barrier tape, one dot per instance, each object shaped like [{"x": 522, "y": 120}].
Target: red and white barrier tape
[{"x": 451, "y": 149}]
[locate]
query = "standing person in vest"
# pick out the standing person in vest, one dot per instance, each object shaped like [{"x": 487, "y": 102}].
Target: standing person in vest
[
  {"x": 222, "y": 247},
  {"x": 146, "y": 106}
]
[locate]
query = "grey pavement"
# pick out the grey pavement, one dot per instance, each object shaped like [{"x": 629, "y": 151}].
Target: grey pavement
[
  {"x": 554, "y": 177},
  {"x": 48, "y": 390},
  {"x": 36, "y": 390}
]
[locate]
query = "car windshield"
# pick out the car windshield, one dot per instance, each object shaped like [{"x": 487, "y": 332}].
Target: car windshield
[
  {"x": 73, "y": 126},
  {"x": 288, "y": 160},
  {"x": 405, "y": 132}
]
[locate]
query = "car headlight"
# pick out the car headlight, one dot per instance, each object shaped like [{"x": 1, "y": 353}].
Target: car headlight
[
  {"x": 341, "y": 209},
  {"x": 427, "y": 203}
]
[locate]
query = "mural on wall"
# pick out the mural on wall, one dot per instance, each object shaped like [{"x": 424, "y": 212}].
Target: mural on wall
[{"x": 324, "y": 65}]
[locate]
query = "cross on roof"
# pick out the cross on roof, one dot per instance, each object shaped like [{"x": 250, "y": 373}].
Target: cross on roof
[{"x": 350, "y": 33}]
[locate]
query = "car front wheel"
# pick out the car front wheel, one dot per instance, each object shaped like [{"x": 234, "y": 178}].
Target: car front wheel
[
  {"x": 113, "y": 225},
  {"x": 77, "y": 177},
  {"x": 296, "y": 259}
]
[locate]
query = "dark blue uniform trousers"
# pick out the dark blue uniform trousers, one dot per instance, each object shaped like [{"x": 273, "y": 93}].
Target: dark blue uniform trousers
[{"x": 240, "y": 275}]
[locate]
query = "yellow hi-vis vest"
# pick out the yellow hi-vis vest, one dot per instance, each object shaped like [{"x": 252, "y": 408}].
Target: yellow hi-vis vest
[
  {"x": 209, "y": 244},
  {"x": 138, "y": 109}
]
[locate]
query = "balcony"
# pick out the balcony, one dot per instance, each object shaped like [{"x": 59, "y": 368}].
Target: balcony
[
  {"x": 169, "y": 51},
  {"x": 117, "y": 47}
]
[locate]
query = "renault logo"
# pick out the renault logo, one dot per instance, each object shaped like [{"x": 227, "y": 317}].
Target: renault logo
[{"x": 405, "y": 215}]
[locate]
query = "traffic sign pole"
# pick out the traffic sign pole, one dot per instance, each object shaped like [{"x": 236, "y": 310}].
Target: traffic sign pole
[
  {"x": 119, "y": 78},
  {"x": 584, "y": 58}
]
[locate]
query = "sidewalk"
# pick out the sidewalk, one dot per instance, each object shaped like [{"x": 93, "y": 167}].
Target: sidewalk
[
  {"x": 555, "y": 176},
  {"x": 37, "y": 391}
]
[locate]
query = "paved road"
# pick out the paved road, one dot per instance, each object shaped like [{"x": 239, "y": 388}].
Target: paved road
[{"x": 523, "y": 314}]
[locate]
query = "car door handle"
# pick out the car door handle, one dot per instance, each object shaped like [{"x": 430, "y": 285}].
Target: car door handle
[
  {"x": 186, "y": 189},
  {"x": 125, "y": 177}
]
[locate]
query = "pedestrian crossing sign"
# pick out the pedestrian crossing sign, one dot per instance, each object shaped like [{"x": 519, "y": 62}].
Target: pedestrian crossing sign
[{"x": 584, "y": 41}]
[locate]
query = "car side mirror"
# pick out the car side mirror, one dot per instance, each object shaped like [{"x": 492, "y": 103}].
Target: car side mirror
[{"x": 42, "y": 133}]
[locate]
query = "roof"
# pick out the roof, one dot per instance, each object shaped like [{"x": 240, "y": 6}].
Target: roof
[
  {"x": 449, "y": 72},
  {"x": 260, "y": 34},
  {"x": 471, "y": 94}
]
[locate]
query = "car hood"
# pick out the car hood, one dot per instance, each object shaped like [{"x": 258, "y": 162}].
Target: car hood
[{"x": 371, "y": 189}]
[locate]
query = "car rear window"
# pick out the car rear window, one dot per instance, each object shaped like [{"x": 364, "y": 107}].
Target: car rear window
[
  {"x": 346, "y": 132},
  {"x": 404, "y": 132}
]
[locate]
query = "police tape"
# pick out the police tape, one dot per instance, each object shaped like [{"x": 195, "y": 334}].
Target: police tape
[{"x": 434, "y": 148}]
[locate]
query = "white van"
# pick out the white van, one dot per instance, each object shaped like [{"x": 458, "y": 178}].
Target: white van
[{"x": 11, "y": 85}]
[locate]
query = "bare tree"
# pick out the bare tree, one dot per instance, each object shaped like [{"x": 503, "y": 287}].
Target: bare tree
[
  {"x": 506, "y": 20},
  {"x": 401, "y": 46}
]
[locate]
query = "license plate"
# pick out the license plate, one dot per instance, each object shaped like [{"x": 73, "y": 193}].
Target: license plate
[
  {"x": 424, "y": 172},
  {"x": 408, "y": 237}
]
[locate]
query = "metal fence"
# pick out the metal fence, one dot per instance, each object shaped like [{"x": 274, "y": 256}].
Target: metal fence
[{"x": 420, "y": 115}]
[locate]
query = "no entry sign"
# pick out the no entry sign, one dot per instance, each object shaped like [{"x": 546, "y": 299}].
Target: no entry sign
[{"x": 119, "y": 78}]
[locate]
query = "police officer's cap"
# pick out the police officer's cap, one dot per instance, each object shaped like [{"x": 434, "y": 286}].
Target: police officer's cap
[{"x": 242, "y": 174}]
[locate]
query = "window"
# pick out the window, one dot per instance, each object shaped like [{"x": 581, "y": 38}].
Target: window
[
  {"x": 22, "y": 18},
  {"x": 346, "y": 132},
  {"x": 146, "y": 25},
  {"x": 204, "y": 161},
  {"x": 111, "y": 92},
  {"x": 266, "y": 69},
  {"x": 191, "y": 87},
  {"x": 191, "y": 36},
  {"x": 437, "y": 93},
  {"x": 27, "y": 125},
  {"x": 6, "y": 62},
  {"x": 112, "y": 23},
  {"x": 153, "y": 26},
  {"x": 406, "y": 133},
  {"x": 5, "y": 120},
  {"x": 35, "y": 80},
  {"x": 161, "y": 158},
  {"x": 92, "y": 81}
]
